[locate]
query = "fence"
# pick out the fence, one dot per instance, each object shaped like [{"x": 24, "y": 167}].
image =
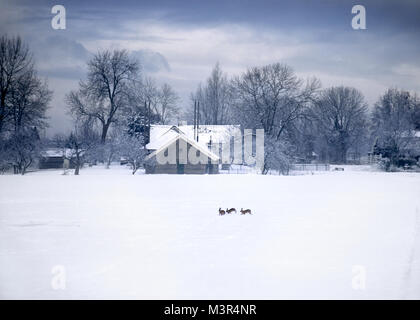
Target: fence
[
  {"x": 240, "y": 169},
  {"x": 311, "y": 167}
]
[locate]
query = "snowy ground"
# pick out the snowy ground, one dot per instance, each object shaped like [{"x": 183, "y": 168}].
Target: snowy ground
[{"x": 159, "y": 236}]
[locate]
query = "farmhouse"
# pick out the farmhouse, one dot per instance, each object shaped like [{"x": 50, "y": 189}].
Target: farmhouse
[
  {"x": 187, "y": 150},
  {"x": 409, "y": 150},
  {"x": 55, "y": 158},
  {"x": 413, "y": 146}
]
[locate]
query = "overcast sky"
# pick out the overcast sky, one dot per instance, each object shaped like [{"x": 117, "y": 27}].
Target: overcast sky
[{"x": 180, "y": 41}]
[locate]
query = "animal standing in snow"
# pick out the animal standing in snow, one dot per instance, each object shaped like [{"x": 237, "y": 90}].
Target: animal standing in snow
[
  {"x": 245, "y": 211},
  {"x": 230, "y": 210},
  {"x": 221, "y": 212}
]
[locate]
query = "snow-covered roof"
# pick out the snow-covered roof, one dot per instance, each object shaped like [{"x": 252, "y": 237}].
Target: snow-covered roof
[
  {"x": 173, "y": 134},
  {"x": 56, "y": 152},
  {"x": 411, "y": 134},
  {"x": 160, "y": 134}
]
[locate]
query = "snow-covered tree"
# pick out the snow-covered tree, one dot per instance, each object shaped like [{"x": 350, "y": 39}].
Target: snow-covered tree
[
  {"x": 104, "y": 95},
  {"x": 167, "y": 108},
  {"x": 24, "y": 97},
  {"x": 272, "y": 98},
  {"x": 15, "y": 63},
  {"x": 132, "y": 150},
  {"x": 30, "y": 100},
  {"x": 341, "y": 120},
  {"x": 393, "y": 123},
  {"x": 22, "y": 149},
  {"x": 214, "y": 98},
  {"x": 81, "y": 145},
  {"x": 277, "y": 156}
]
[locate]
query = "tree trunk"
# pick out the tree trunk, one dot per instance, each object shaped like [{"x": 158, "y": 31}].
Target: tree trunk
[
  {"x": 77, "y": 165},
  {"x": 2, "y": 111},
  {"x": 264, "y": 170},
  {"x": 343, "y": 153},
  {"x": 25, "y": 167},
  {"x": 105, "y": 128},
  {"x": 108, "y": 162}
]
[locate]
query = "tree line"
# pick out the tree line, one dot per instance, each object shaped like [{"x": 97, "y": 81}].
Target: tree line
[
  {"x": 304, "y": 122},
  {"x": 114, "y": 106},
  {"x": 111, "y": 109},
  {"x": 24, "y": 100}
]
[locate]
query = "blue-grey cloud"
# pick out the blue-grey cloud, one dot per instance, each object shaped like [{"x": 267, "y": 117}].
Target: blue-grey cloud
[
  {"x": 151, "y": 61},
  {"x": 59, "y": 57},
  {"x": 180, "y": 41}
]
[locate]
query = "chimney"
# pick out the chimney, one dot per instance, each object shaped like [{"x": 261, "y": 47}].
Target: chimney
[
  {"x": 195, "y": 118},
  {"x": 198, "y": 117}
]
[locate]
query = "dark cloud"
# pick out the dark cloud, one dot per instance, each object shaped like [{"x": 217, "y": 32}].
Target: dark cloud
[
  {"x": 59, "y": 47},
  {"x": 59, "y": 57},
  {"x": 71, "y": 73},
  {"x": 292, "y": 13},
  {"x": 180, "y": 41}
]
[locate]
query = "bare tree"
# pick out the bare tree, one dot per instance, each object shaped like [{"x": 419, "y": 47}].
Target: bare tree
[
  {"x": 112, "y": 147},
  {"x": 167, "y": 108},
  {"x": 159, "y": 102},
  {"x": 416, "y": 119},
  {"x": 141, "y": 111},
  {"x": 214, "y": 98},
  {"x": 271, "y": 98},
  {"x": 24, "y": 98},
  {"x": 132, "y": 150},
  {"x": 77, "y": 147},
  {"x": 416, "y": 112},
  {"x": 277, "y": 156},
  {"x": 81, "y": 144},
  {"x": 15, "y": 60},
  {"x": 30, "y": 101},
  {"x": 105, "y": 92},
  {"x": 22, "y": 149},
  {"x": 341, "y": 117},
  {"x": 148, "y": 93},
  {"x": 4, "y": 159}
]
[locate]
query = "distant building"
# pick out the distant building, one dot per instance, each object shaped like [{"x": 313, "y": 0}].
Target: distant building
[
  {"x": 413, "y": 146},
  {"x": 410, "y": 149},
  {"x": 55, "y": 158},
  {"x": 209, "y": 146}
]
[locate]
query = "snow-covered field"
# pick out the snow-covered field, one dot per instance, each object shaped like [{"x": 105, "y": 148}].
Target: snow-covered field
[{"x": 109, "y": 234}]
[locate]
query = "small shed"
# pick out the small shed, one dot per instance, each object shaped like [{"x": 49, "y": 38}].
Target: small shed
[
  {"x": 176, "y": 153},
  {"x": 55, "y": 158}
]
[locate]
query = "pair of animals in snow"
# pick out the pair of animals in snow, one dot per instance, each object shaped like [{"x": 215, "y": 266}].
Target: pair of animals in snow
[{"x": 233, "y": 210}]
